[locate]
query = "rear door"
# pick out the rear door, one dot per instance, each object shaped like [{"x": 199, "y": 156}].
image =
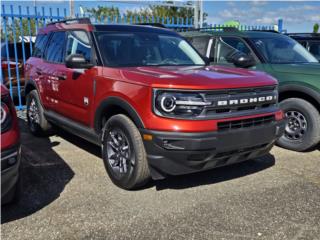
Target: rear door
[
  {"x": 34, "y": 68},
  {"x": 52, "y": 66}
]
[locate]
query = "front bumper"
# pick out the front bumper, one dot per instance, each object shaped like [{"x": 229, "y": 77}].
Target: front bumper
[
  {"x": 10, "y": 165},
  {"x": 176, "y": 153}
]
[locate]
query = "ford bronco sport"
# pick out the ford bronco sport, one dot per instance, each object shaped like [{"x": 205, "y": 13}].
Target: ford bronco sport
[
  {"x": 148, "y": 99},
  {"x": 297, "y": 71}
]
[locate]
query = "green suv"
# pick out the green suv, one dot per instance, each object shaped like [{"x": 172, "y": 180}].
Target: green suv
[{"x": 297, "y": 71}]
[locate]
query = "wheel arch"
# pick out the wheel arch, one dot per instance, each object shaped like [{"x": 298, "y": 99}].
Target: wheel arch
[
  {"x": 30, "y": 85},
  {"x": 112, "y": 106},
  {"x": 306, "y": 93}
]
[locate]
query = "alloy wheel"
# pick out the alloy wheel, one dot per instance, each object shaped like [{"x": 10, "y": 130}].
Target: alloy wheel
[
  {"x": 119, "y": 153},
  {"x": 33, "y": 112},
  {"x": 296, "y": 126}
]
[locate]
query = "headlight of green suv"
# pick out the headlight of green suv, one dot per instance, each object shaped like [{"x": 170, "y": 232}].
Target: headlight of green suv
[{"x": 178, "y": 104}]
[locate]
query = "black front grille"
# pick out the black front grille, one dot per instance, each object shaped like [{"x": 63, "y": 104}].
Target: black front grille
[
  {"x": 237, "y": 94},
  {"x": 246, "y": 123}
]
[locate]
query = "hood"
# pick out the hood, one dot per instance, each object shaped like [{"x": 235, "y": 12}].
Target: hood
[
  {"x": 204, "y": 77},
  {"x": 302, "y": 68}
]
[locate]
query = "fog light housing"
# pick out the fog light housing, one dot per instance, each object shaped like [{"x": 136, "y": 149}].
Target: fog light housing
[{"x": 12, "y": 160}]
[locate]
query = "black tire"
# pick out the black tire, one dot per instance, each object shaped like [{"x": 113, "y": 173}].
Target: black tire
[
  {"x": 137, "y": 170},
  {"x": 304, "y": 114},
  {"x": 39, "y": 127}
]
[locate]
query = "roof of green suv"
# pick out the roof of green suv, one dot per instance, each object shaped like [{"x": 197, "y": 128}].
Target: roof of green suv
[{"x": 244, "y": 34}]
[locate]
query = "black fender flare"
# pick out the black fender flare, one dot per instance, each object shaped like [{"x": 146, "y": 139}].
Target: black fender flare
[
  {"x": 302, "y": 89},
  {"x": 30, "y": 84},
  {"x": 112, "y": 102}
]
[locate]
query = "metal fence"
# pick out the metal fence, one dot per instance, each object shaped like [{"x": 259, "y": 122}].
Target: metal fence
[{"x": 20, "y": 26}]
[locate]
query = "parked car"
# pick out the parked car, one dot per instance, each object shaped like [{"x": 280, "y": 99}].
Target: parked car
[
  {"x": 311, "y": 41},
  {"x": 147, "y": 98},
  {"x": 10, "y": 149},
  {"x": 297, "y": 71},
  {"x": 5, "y": 64}
]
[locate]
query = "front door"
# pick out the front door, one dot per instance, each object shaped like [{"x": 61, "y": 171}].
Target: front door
[
  {"x": 224, "y": 46},
  {"x": 75, "y": 86}
]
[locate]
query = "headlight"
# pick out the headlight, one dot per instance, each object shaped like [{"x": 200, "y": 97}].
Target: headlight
[
  {"x": 5, "y": 116},
  {"x": 178, "y": 104}
]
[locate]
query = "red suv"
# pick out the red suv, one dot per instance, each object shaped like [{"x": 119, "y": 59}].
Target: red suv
[
  {"x": 10, "y": 149},
  {"x": 148, "y": 99}
]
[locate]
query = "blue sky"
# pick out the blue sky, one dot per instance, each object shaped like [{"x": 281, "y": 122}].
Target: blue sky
[{"x": 298, "y": 16}]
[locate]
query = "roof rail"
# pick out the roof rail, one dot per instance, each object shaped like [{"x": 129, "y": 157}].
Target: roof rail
[
  {"x": 263, "y": 30},
  {"x": 159, "y": 25},
  {"x": 73, "y": 20},
  {"x": 225, "y": 29}
]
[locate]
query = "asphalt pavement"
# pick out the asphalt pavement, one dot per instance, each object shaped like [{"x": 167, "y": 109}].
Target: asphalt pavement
[{"x": 66, "y": 194}]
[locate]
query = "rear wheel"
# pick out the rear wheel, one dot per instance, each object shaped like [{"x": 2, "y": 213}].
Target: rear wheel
[
  {"x": 37, "y": 122},
  {"x": 124, "y": 154},
  {"x": 302, "y": 130}
]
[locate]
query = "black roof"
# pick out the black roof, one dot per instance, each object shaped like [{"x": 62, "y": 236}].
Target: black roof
[{"x": 133, "y": 28}]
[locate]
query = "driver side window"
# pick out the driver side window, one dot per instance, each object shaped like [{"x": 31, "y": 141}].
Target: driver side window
[
  {"x": 228, "y": 45},
  {"x": 78, "y": 43}
]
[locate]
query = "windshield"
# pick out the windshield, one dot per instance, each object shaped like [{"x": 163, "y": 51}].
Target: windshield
[
  {"x": 283, "y": 50},
  {"x": 145, "y": 49}
]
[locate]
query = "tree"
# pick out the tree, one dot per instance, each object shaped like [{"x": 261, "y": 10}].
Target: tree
[
  {"x": 316, "y": 28},
  {"x": 100, "y": 12},
  {"x": 164, "y": 12},
  {"x": 16, "y": 28},
  {"x": 147, "y": 12}
]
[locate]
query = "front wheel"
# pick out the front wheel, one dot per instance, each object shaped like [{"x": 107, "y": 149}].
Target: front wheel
[
  {"x": 302, "y": 130},
  {"x": 37, "y": 122},
  {"x": 124, "y": 154}
]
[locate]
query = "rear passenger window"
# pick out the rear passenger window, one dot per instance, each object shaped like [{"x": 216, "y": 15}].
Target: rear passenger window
[
  {"x": 40, "y": 44},
  {"x": 78, "y": 43},
  {"x": 55, "y": 49}
]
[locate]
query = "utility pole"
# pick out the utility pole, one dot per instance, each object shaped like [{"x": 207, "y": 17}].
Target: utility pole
[
  {"x": 198, "y": 13},
  {"x": 71, "y": 8},
  {"x": 201, "y": 13}
]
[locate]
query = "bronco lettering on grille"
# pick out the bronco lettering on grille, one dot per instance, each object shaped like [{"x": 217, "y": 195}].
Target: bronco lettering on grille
[{"x": 247, "y": 100}]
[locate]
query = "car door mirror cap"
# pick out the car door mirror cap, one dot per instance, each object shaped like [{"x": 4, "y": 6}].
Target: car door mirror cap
[
  {"x": 77, "y": 61},
  {"x": 242, "y": 60}
]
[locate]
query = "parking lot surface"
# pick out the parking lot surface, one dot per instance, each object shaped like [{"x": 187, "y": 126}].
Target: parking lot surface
[{"x": 67, "y": 194}]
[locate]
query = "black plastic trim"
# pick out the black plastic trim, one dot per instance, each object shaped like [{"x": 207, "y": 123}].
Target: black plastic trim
[
  {"x": 116, "y": 101},
  {"x": 298, "y": 88},
  {"x": 175, "y": 153},
  {"x": 73, "y": 127}
]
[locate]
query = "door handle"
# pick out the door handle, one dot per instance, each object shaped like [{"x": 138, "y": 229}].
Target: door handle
[
  {"x": 38, "y": 71},
  {"x": 62, "y": 77}
]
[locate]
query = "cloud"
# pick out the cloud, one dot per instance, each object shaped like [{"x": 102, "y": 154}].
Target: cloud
[
  {"x": 258, "y": 2},
  {"x": 255, "y": 14}
]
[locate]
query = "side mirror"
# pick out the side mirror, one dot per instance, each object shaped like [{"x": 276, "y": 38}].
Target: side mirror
[
  {"x": 77, "y": 61},
  {"x": 242, "y": 60}
]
